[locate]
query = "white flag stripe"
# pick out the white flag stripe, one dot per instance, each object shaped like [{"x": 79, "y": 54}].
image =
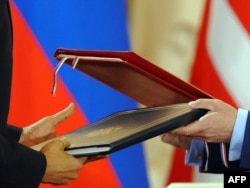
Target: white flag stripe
[{"x": 229, "y": 49}]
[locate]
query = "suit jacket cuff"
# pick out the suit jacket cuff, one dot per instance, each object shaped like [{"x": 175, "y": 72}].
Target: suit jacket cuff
[
  {"x": 245, "y": 153},
  {"x": 14, "y": 132}
]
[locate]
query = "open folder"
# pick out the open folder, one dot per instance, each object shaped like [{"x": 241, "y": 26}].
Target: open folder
[{"x": 164, "y": 95}]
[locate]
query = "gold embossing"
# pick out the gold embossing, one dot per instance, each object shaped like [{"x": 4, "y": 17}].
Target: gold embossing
[{"x": 104, "y": 131}]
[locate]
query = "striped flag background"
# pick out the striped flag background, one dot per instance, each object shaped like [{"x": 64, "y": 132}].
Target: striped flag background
[
  {"x": 222, "y": 62},
  {"x": 218, "y": 62},
  {"x": 221, "y": 67},
  {"x": 40, "y": 27},
  {"x": 223, "y": 59}
]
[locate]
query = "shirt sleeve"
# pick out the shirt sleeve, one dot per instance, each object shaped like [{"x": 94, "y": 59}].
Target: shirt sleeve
[
  {"x": 195, "y": 153},
  {"x": 238, "y": 135}
]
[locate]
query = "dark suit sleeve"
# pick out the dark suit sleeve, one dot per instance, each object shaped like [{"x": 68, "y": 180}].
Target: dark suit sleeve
[
  {"x": 213, "y": 162},
  {"x": 245, "y": 154},
  {"x": 14, "y": 132},
  {"x": 20, "y": 166}
]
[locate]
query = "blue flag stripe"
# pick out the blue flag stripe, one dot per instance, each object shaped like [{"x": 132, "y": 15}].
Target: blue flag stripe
[{"x": 92, "y": 24}]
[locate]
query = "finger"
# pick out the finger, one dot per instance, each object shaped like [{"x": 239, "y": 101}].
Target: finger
[
  {"x": 82, "y": 160},
  {"x": 65, "y": 142},
  {"x": 209, "y": 104},
  {"x": 166, "y": 137},
  {"x": 191, "y": 129},
  {"x": 56, "y": 145},
  {"x": 62, "y": 115},
  {"x": 95, "y": 158}
]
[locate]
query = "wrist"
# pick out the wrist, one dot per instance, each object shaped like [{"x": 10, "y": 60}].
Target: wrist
[{"x": 26, "y": 138}]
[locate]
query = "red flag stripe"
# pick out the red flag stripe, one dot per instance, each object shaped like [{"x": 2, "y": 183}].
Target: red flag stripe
[
  {"x": 204, "y": 75},
  {"x": 179, "y": 172},
  {"x": 241, "y": 9},
  {"x": 228, "y": 47},
  {"x": 221, "y": 65},
  {"x": 31, "y": 99}
]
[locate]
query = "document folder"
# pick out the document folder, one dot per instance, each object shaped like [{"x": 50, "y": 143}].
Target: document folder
[
  {"x": 126, "y": 128},
  {"x": 164, "y": 95},
  {"x": 131, "y": 75}
]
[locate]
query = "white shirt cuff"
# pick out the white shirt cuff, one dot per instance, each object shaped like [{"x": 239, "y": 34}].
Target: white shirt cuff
[{"x": 238, "y": 135}]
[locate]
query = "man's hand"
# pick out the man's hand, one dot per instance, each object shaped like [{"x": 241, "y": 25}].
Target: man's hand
[
  {"x": 61, "y": 167},
  {"x": 44, "y": 129},
  {"x": 216, "y": 126}
]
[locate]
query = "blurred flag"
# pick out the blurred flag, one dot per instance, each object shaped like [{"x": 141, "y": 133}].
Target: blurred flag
[
  {"x": 40, "y": 27},
  {"x": 222, "y": 63}
]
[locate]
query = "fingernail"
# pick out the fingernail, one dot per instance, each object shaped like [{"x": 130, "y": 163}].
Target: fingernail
[{"x": 191, "y": 103}]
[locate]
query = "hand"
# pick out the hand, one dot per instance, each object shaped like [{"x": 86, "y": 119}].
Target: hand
[
  {"x": 61, "y": 167},
  {"x": 44, "y": 129},
  {"x": 216, "y": 126}
]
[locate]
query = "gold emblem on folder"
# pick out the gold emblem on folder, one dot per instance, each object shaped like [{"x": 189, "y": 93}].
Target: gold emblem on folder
[{"x": 104, "y": 131}]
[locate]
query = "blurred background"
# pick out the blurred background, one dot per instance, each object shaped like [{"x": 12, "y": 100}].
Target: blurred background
[{"x": 204, "y": 42}]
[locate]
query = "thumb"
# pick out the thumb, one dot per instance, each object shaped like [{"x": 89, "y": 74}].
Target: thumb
[
  {"x": 62, "y": 115},
  {"x": 55, "y": 146},
  {"x": 203, "y": 104},
  {"x": 65, "y": 143}
]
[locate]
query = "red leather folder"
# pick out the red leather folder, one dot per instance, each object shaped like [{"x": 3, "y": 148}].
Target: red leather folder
[{"x": 131, "y": 75}]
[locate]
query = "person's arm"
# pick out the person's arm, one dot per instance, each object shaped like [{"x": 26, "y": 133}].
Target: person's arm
[
  {"x": 44, "y": 129},
  {"x": 231, "y": 157},
  {"x": 28, "y": 167},
  {"x": 245, "y": 153},
  {"x": 195, "y": 153},
  {"x": 14, "y": 131},
  {"x": 20, "y": 166},
  {"x": 214, "y": 128}
]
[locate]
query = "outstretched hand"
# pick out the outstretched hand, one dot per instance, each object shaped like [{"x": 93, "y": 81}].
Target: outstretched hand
[
  {"x": 44, "y": 129},
  {"x": 216, "y": 126}
]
